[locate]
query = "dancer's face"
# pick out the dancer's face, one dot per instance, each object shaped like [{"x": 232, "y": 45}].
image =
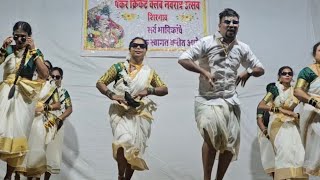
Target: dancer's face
[
  {"x": 317, "y": 55},
  {"x": 138, "y": 50},
  {"x": 286, "y": 76},
  {"x": 20, "y": 37},
  {"x": 228, "y": 27},
  {"x": 57, "y": 77}
]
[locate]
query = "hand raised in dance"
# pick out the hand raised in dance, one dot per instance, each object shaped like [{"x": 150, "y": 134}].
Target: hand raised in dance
[
  {"x": 7, "y": 42},
  {"x": 30, "y": 42},
  {"x": 243, "y": 78}
]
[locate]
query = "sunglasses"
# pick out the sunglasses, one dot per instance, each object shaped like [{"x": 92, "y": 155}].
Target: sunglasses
[
  {"x": 23, "y": 38},
  {"x": 135, "y": 45},
  {"x": 228, "y": 22},
  {"x": 57, "y": 77},
  {"x": 287, "y": 73}
]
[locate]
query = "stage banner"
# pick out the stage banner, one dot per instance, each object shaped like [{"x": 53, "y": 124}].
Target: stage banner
[{"x": 169, "y": 26}]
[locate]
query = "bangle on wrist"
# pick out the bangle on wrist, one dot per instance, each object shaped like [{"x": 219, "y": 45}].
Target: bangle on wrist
[
  {"x": 109, "y": 93},
  {"x": 34, "y": 53},
  {"x": 275, "y": 109},
  {"x": 3, "y": 51},
  {"x": 151, "y": 90},
  {"x": 45, "y": 107},
  {"x": 249, "y": 71},
  {"x": 313, "y": 102}
]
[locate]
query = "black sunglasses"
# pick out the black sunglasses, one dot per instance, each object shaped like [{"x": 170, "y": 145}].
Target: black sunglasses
[
  {"x": 135, "y": 45},
  {"x": 229, "y": 22},
  {"x": 287, "y": 73},
  {"x": 23, "y": 37},
  {"x": 57, "y": 77}
]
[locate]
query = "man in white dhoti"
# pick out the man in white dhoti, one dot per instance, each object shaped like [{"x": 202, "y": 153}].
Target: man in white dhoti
[{"x": 217, "y": 109}]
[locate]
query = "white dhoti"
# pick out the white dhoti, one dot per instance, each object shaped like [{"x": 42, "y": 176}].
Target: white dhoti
[{"x": 222, "y": 123}]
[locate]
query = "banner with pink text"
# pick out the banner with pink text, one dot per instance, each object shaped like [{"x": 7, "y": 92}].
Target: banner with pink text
[{"x": 169, "y": 26}]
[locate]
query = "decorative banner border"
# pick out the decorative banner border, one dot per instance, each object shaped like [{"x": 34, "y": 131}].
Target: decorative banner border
[{"x": 169, "y": 26}]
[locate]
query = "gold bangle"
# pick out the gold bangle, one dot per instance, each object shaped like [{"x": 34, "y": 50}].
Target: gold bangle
[
  {"x": 109, "y": 93},
  {"x": 3, "y": 51},
  {"x": 313, "y": 102},
  {"x": 274, "y": 109},
  {"x": 151, "y": 90}
]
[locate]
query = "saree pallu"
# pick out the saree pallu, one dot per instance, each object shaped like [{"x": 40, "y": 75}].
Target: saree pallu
[
  {"x": 288, "y": 148},
  {"x": 266, "y": 153}
]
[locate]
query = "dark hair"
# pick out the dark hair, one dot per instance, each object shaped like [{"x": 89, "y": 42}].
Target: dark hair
[
  {"x": 144, "y": 41},
  {"x": 24, "y": 26},
  {"x": 57, "y": 69},
  {"x": 282, "y": 68},
  {"x": 228, "y": 12},
  {"x": 50, "y": 65},
  {"x": 315, "y": 49}
]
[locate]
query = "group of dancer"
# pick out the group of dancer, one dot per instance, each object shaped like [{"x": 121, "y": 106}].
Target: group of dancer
[
  {"x": 33, "y": 107},
  {"x": 290, "y": 141}
]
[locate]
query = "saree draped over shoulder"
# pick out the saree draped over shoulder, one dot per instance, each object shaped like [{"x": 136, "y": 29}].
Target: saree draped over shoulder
[{"x": 17, "y": 113}]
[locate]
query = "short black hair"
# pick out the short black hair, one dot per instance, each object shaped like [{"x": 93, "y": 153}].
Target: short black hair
[
  {"x": 314, "y": 51},
  {"x": 228, "y": 12},
  {"x": 144, "y": 41},
  {"x": 24, "y": 26},
  {"x": 57, "y": 69}
]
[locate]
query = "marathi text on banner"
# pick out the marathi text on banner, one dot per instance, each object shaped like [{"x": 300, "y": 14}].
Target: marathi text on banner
[{"x": 167, "y": 25}]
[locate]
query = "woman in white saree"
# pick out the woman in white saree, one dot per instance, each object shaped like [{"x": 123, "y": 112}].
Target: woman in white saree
[
  {"x": 18, "y": 94},
  {"x": 283, "y": 128},
  {"x": 307, "y": 90},
  {"x": 131, "y": 110},
  {"x": 43, "y": 130}
]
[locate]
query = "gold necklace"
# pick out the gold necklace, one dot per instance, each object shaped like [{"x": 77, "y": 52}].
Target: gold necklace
[
  {"x": 225, "y": 48},
  {"x": 137, "y": 68}
]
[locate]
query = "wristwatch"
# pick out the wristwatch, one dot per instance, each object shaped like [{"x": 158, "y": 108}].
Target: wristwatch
[{"x": 249, "y": 71}]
